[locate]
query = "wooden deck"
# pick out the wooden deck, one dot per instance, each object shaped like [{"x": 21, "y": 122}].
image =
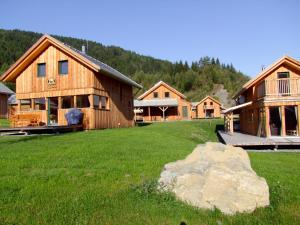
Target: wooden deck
[
  {"x": 245, "y": 140},
  {"x": 39, "y": 130}
]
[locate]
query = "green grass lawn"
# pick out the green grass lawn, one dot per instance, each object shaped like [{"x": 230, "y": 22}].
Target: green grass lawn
[
  {"x": 107, "y": 177},
  {"x": 4, "y": 123}
]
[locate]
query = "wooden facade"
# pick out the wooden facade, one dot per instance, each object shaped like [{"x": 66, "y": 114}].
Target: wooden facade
[
  {"x": 3, "y": 106},
  {"x": 162, "y": 103},
  {"x": 208, "y": 107},
  {"x": 5, "y": 93},
  {"x": 103, "y": 94},
  {"x": 274, "y": 97}
]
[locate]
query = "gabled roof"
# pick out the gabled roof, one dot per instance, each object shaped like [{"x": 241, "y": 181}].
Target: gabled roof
[
  {"x": 47, "y": 40},
  {"x": 209, "y": 98},
  {"x": 159, "y": 84},
  {"x": 283, "y": 60},
  {"x": 5, "y": 90},
  {"x": 156, "y": 102}
]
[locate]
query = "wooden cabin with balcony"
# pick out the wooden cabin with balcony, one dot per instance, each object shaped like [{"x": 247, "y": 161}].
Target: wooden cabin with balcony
[
  {"x": 269, "y": 104},
  {"x": 207, "y": 108},
  {"x": 162, "y": 103},
  {"x": 52, "y": 77}
]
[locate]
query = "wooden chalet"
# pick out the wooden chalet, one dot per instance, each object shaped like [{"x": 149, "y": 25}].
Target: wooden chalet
[
  {"x": 162, "y": 103},
  {"x": 52, "y": 77},
  {"x": 269, "y": 104},
  {"x": 207, "y": 108},
  {"x": 5, "y": 92}
]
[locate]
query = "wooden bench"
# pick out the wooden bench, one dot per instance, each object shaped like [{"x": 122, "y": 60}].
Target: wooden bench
[{"x": 24, "y": 120}]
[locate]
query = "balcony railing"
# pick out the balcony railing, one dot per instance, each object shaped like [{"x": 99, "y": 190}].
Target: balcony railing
[{"x": 279, "y": 87}]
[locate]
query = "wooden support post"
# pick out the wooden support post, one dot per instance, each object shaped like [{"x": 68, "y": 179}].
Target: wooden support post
[
  {"x": 267, "y": 122},
  {"x": 59, "y": 102},
  {"x": 149, "y": 113},
  {"x": 91, "y": 99},
  {"x": 75, "y": 101},
  {"x": 32, "y": 106},
  {"x": 231, "y": 123},
  {"x": 163, "y": 109},
  {"x": 47, "y": 103},
  {"x": 283, "y": 131},
  {"x": 298, "y": 119},
  {"x": 19, "y": 106},
  {"x": 47, "y": 110}
]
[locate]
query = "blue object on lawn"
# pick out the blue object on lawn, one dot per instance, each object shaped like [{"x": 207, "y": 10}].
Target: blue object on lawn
[{"x": 74, "y": 116}]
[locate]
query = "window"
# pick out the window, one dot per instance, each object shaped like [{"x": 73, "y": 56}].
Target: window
[
  {"x": 25, "y": 104},
  {"x": 204, "y": 103},
  {"x": 167, "y": 94},
  {"x": 83, "y": 101},
  {"x": 104, "y": 102},
  {"x": 155, "y": 94},
  {"x": 41, "y": 69},
  {"x": 96, "y": 101},
  {"x": 67, "y": 102},
  {"x": 40, "y": 104},
  {"x": 281, "y": 75},
  {"x": 211, "y": 103},
  {"x": 63, "y": 67}
]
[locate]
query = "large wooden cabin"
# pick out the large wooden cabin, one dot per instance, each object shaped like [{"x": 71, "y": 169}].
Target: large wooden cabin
[
  {"x": 5, "y": 92},
  {"x": 52, "y": 77},
  {"x": 162, "y": 103},
  {"x": 269, "y": 104},
  {"x": 207, "y": 108}
]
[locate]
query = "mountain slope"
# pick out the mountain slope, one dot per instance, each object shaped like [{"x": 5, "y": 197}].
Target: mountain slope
[{"x": 195, "y": 81}]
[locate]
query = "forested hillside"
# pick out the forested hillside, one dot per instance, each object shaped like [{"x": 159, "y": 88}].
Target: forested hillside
[{"x": 195, "y": 80}]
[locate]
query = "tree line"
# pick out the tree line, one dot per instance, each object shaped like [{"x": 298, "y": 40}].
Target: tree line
[{"x": 195, "y": 80}]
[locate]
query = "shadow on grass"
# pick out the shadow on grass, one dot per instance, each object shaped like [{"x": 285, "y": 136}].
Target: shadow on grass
[{"x": 142, "y": 124}]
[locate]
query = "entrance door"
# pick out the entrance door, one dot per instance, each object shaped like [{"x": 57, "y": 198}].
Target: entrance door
[
  {"x": 53, "y": 111},
  {"x": 209, "y": 113},
  {"x": 290, "y": 120},
  {"x": 185, "y": 114},
  {"x": 275, "y": 121}
]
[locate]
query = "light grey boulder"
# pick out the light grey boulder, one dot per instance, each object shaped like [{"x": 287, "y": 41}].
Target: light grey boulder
[{"x": 216, "y": 175}]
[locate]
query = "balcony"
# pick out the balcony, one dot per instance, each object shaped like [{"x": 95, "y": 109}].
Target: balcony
[{"x": 285, "y": 87}]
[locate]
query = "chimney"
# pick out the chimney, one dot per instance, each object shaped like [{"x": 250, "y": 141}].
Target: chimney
[{"x": 83, "y": 49}]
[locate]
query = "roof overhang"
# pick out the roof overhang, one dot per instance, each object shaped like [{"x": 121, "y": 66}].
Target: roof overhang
[
  {"x": 215, "y": 100},
  {"x": 159, "y": 84},
  {"x": 156, "y": 103},
  {"x": 232, "y": 109},
  {"x": 285, "y": 60},
  {"x": 44, "y": 42}
]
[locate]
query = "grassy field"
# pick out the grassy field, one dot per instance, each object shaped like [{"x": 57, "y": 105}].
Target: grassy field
[
  {"x": 108, "y": 177},
  {"x": 4, "y": 123}
]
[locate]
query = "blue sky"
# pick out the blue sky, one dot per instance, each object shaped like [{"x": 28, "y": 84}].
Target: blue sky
[{"x": 247, "y": 33}]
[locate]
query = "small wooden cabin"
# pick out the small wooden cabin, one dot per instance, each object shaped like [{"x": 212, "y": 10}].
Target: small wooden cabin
[
  {"x": 5, "y": 92},
  {"x": 207, "y": 108},
  {"x": 52, "y": 77},
  {"x": 162, "y": 103},
  {"x": 269, "y": 104}
]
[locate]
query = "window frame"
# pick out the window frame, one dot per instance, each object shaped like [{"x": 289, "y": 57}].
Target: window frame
[
  {"x": 106, "y": 107},
  {"x": 283, "y": 73},
  {"x": 38, "y": 71},
  {"x": 82, "y": 101},
  {"x": 59, "y": 67}
]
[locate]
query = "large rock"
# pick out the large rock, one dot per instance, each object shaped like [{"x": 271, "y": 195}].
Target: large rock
[{"x": 216, "y": 175}]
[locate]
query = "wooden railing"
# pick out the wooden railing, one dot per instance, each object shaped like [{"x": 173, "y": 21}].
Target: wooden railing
[{"x": 279, "y": 87}]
